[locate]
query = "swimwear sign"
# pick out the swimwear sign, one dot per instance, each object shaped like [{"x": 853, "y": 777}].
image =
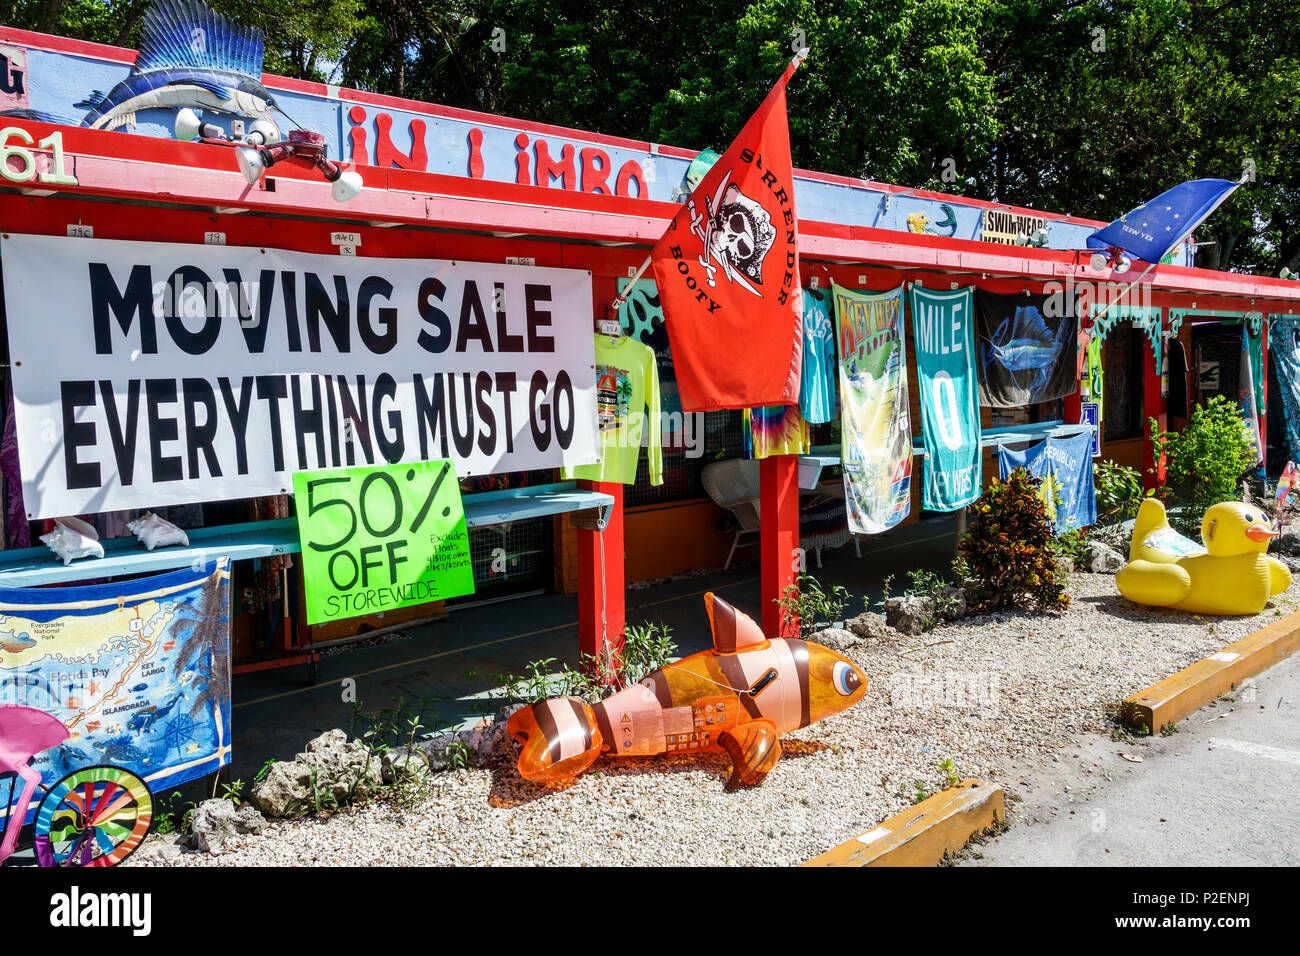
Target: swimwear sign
[
  {"x": 149, "y": 374},
  {"x": 375, "y": 539}
]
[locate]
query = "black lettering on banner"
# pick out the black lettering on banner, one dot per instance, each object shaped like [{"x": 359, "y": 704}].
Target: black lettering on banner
[
  {"x": 76, "y": 395},
  {"x": 464, "y": 442},
  {"x": 356, "y": 411},
  {"x": 487, "y": 439},
  {"x": 390, "y": 447},
  {"x": 159, "y": 392},
  {"x": 289, "y": 283},
  {"x": 123, "y": 439},
  {"x": 332, "y": 401},
  {"x": 200, "y": 437},
  {"x": 564, "y": 390},
  {"x": 308, "y": 420},
  {"x": 538, "y": 318},
  {"x": 335, "y": 312},
  {"x": 382, "y": 339},
  {"x": 431, "y": 414},
  {"x": 255, "y": 335},
  {"x": 192, "y": 343},
  {"x": 539, "y": 417},
  {"x": 436, "y": 343},
  {"x": 272, "y": 390},
  {"x": 473, "y": 321},
  {"x": 237, "y": 410},
  {"x": 506, "y": 388},
  {"x": 136, "y": 301},
  {"x": 505, "y": 341}
]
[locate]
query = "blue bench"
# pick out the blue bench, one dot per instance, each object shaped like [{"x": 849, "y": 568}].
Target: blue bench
[{"x": 28, "y": 567}]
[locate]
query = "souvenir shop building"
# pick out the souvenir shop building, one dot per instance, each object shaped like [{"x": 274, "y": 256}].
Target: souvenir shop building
[{"x": 484, "y": 192}]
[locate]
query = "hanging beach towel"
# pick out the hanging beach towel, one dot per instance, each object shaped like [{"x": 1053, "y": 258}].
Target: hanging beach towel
[
  {"x": 876, "y": 437},
  {"x": 1024, "y": 354}
]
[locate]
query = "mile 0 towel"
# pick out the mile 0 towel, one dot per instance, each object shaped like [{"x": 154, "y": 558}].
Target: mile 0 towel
[
  {"x": 1025, "y": 348},
  {"x": 943, "y": 337}
]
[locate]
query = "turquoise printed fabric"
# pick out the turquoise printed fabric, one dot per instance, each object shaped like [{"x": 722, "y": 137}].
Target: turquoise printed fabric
[{"x": 943, "y": 337}]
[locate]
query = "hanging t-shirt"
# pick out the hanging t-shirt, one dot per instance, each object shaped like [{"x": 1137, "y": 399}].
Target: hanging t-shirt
[
  {"x": 627, "y": 412},
  {"x": 775, "y": 430},
  {"x": 818, "y": 386},
  {"x": 1094, "y": 376}
]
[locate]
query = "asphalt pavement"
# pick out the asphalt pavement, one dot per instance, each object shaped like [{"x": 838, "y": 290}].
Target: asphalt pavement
[{"x": 1220, "y": 791}]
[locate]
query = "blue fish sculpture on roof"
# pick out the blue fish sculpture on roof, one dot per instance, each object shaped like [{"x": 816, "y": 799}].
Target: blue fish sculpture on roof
[{"x": 190, "y": 56}]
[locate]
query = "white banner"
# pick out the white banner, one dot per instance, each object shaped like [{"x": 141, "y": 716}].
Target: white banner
[{"x": 148, "y": 374}]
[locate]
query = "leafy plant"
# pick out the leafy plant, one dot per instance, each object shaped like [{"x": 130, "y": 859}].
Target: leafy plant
[
  {"x": 1008, "y": 548},
  {"x": 1118, "y": 490},
  {"x": 457, "y": 755},
  {"x": 949, "y": 770},
  {"x": 645, "y": 649},
  {"x": 813, "y": 607},
  {"x": 1070, "y": 544},
  {"x": 1206, "y": 461}
]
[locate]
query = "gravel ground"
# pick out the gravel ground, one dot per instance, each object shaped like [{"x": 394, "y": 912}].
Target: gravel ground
[{"x": 986, "y": 693}]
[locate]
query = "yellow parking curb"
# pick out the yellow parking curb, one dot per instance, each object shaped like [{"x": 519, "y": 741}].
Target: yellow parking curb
[
  {"x": 1193, "y": 687},
  {"x": 922, "y": 835}
]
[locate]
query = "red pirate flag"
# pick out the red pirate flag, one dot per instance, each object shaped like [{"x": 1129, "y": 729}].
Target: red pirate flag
[{"x": 728, "y": 273}]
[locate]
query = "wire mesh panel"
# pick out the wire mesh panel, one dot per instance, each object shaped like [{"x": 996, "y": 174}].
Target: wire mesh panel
[{"x": 516, "y": 553}]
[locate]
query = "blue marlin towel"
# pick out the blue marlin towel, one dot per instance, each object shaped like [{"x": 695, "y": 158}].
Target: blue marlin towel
[
  {"x": 943, "y": 336},
  {"x": 1025, "y": 347},
  {"x": 1065, "y": 465}
]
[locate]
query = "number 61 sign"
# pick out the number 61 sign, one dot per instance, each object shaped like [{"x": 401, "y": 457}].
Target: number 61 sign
[{"x": 378, "y": 538}]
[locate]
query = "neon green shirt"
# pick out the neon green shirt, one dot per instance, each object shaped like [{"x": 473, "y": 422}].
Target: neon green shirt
[{"x": 627, "y": 408}]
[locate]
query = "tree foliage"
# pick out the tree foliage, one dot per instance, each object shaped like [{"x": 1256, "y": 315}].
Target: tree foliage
[{"x": 1088, "y": 107}]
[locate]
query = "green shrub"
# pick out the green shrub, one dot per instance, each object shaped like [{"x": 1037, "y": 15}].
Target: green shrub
[
  {"x": 1009, "y": 548},
  {"x": 1207, "y": 460},
  {"x": 1119, "y": 491}
]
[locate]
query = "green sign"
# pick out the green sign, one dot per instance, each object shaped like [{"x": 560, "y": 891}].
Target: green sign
[{"x": 379, "y": 538}]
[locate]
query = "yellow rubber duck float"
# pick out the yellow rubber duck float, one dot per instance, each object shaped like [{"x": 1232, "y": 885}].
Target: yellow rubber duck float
[{"x": 1231, "y": 574}]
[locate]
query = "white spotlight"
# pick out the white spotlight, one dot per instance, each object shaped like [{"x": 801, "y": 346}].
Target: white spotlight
[{"x": 251, "y": 163}]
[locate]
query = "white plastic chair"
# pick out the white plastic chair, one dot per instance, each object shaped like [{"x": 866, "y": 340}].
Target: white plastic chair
[{"x": 733, "y": 484}]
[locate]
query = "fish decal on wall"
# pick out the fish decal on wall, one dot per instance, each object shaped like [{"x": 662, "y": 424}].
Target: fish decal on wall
[
  {"x": 737, "y": 698},
  {"x": 190, "y": 57}
]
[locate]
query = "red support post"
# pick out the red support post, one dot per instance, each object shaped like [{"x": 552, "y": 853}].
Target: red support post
[
  {"x": 602, "y": 614},
  {"x": 778, "y": 483},
  {"x": 1154, "y": 405}
]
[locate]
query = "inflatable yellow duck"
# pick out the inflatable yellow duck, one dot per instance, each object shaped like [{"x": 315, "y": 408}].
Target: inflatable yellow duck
[{"x": 1230, "y": 575}]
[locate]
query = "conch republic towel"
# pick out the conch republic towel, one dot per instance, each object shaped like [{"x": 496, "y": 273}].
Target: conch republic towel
[
  {"x": 876, "y": 432},
  {"x": 138, "y": 672},
  {"x": 1065, "y": 465},
  {"x": 944, "y": 339},
  {"x": 1025, "y": 348},
  {"x": 727, "y": 271},
  {"x": 1284, "y": 353}
]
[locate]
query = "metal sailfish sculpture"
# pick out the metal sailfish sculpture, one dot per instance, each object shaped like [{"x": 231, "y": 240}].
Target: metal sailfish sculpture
[
  {"x": 190, "y": 56},
  {"x": 739, "y": 697}
]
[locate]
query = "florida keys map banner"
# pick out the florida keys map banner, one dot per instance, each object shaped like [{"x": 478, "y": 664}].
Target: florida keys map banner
[
  {"x": 943, "y": 336},
  {"x": 149, "y": 373},
  {"x": 138, "y": 672},
  {"x": 876, "y": 435}
]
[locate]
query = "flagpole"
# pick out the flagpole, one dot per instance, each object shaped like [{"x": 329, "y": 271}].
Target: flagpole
[
  {"x": 795, "y": 62},
  {"x": 1209, "y": 212},
  {"x": 627, "y": 289}
]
